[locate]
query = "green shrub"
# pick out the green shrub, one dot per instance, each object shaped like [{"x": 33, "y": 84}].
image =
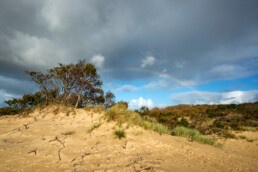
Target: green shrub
[
  {"x": 218, "y": 124},
  {"x": 122, "y": 104},
  {"x": 119, "y": 112},
  {"x": 184, "y": 122},
  {"x": 56, "y": 111},
  {"x": 8, "y": 111},
  {"x": 120, "y": 133}
]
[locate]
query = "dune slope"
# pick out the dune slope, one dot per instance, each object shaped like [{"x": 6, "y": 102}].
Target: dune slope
[{"x": 48, "y": 141}]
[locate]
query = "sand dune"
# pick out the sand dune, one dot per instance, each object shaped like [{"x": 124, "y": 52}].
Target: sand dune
[{"x": 45, "y": 141}]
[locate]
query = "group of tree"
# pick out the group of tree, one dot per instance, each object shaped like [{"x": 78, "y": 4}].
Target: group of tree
[{"x": 77, "y": 84}]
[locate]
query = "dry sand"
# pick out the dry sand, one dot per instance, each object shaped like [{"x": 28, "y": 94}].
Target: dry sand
[{"x": 44, "y": 141}]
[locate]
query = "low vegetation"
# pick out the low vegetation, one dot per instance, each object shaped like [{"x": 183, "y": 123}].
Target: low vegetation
[
  {"x": 94, "y": 126},
  {"x": 76, "y": 85},
  {"x": 192, "y": 134},
  {"x": 121, "y": 114},
  {"x": 68, "y": 133},
  {"x": 97, "y": 109},
  {"x": 120, "y": 133},
  {"x": 207, "y": 119}
]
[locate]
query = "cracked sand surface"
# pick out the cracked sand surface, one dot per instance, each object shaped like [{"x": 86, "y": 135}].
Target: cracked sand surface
[{"x": 41, "y": 142}]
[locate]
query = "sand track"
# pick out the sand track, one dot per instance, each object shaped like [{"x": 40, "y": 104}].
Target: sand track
[{"x": 44, "y": 141}]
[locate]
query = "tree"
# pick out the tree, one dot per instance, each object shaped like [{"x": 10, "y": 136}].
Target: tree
[
  {"x": 27, "y": 100},
  {"x": 77, "y": 84},
  {"x": 43, "y": 81},
  {"x": 63, "y": 80},
  {"x": 109, "y": 100},
  {"x": 87, "y": 81}
]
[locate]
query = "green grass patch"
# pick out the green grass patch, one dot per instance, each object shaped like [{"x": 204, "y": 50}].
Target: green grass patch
[
  {"x": 192, "y": 134},
  {"x": 121, "y": 114},
  {"x": 94, "y": 126},
  {"x": 138, "y": 133},
  {"x": 97, "y": 109},
  {"x": 155, "y": 126}
]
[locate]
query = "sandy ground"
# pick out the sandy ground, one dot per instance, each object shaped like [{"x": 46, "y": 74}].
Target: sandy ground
[{"x": 44, "y": 141}]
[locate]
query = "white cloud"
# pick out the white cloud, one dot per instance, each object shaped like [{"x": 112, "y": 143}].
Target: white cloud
[
  {"x": 157, "y": 84},
  {"x": 148, "y": 61},
  {"x": 98, "y": 60},
  {"x": 201, "y": 97},
  {"x": 138, "y": 103},
  {"x": 126, "y": 88}
]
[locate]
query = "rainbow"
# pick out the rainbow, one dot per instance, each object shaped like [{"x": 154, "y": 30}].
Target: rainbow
[{"x": 160, "y": 74}]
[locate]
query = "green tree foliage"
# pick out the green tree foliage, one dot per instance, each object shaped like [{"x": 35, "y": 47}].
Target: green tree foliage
[
  {"x": 64, "y": 81},
  {"x": 44, "y": 83},
  {"x": 27, "y": 100},
  {"x": 8, "y": 111},
  {"x": 74, "y": 84},
  {"x": 109, "y": 100}
]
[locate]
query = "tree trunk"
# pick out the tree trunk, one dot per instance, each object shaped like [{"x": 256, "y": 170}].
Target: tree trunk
[
  {"x": 78, "y": 100},
  {"x": 46, "y": 99}
]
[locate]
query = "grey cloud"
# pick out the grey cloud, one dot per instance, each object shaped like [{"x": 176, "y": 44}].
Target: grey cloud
[
  {"x": 190, "y": 39},
  {"x": 15, "y": 86}
]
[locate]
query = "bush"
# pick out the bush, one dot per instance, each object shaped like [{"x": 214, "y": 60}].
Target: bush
[
  {"x": 119, "y": 112},
  {"x": 184, "y": 122},
  {"x": 8, "y": 111},
  {"x": 120, "y": 133},
  {"x": 122, "y": 104},
  {"x": 218, "y": 124}
]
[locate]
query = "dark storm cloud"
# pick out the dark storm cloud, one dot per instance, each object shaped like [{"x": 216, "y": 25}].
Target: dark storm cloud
[{"x": 196, "y": 41}]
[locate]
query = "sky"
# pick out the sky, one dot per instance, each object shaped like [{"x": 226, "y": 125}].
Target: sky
[{"x": 148, "y": 53}]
